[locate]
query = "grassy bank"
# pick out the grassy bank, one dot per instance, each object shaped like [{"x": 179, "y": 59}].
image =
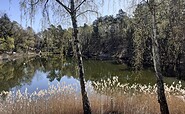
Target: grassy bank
[{"x": 106, "y": 97}]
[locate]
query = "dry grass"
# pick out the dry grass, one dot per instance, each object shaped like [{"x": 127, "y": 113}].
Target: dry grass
[{"x": 106, "y": 97}]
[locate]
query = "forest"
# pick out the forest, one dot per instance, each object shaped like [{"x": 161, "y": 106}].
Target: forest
[
  {"x": 120, "y": 37},
  {"x": 150, "y": 40}
]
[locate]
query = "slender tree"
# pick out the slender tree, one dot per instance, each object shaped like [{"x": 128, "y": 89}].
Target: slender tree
[
  {"x": 152, "y": 4},
  {"x": 74, "y": 9},
  {"x": 86, "y": 104},
  {"x": 148, "y": 19}
]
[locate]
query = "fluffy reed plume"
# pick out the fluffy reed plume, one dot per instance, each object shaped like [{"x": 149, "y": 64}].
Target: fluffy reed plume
[{"x": 106, "y": 97}]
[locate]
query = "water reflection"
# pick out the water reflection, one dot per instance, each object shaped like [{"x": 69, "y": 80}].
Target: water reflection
[
  {"x": 14, "y": 73},
  {"x": 40, "y": 72}
]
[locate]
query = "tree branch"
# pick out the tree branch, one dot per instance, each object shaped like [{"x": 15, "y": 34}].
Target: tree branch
[
  {"x": 80, "y": 4},
  {"x": 32, "y": 4},
  {"x": 86, "y": 12},
  {"x": 45, "y": 10},
  {"x": 135, "y": 5},
  {"x": 45, "y": 4},
  {"x": 65, "y": 7}
]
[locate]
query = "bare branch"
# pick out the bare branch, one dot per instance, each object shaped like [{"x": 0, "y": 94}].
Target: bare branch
[
  {"x": 80, "y": 4},
  {"x": 151, "y": 7},
  {"x": 45, "y": 10},
  {"x": 45, "y": 4},
  {"x": 32, "y": 4},
  {"x": 65, "y": 7},
  {"x": 86, "y": 12},
  {"x": 135, "y": 5}
]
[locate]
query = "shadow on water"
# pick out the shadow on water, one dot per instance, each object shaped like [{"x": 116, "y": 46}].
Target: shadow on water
[{"x": 39, "y": 72}]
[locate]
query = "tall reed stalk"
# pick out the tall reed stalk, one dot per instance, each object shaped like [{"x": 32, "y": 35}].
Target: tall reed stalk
[{"x": 107, "y": 96}]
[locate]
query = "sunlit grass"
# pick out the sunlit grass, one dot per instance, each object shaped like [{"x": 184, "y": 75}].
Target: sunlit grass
[{"x": 106, "y": 96}]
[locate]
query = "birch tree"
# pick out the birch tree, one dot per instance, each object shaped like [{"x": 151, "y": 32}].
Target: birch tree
[
  {"x": 64, "y": 9},
  {"x": 152, "y": 6}
]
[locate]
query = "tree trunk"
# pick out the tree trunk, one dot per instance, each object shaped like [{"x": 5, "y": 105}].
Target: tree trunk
[
  {"x": 86, "y": 104},
  {"x": 156, "y": 61}
]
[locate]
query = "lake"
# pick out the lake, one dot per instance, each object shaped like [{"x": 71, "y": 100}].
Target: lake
[{"x": 40, "y": 72}]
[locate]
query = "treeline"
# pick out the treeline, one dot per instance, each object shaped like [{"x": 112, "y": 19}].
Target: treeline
[
  {"x": 130, "y": 38},
  {"x": 13, "y": 38},
  {"x": 120, "y": 36},
  {"x": 170, "y": 24}
]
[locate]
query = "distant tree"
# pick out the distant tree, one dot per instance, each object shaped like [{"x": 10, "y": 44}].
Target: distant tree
[
  {"x": 30, "y": 39},
  {"x": 6, "y": 34},
  {"x": 85, "y": 33}
]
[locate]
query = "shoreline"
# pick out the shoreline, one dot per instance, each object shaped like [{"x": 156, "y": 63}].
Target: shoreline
[{"x": 15, "y": 56}]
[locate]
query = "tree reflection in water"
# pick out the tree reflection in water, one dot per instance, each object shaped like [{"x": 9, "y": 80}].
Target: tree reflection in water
[{"x": 37, "y": 72}]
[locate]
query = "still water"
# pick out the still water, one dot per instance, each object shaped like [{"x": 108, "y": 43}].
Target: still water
[{"x": 39, "y": 72}]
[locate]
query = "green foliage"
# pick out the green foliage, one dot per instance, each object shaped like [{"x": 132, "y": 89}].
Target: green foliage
[
  {"x": 128, "y": 38},
  {"x": 6, "y": 45},
  {"x": 55, "y": 39},
  {"x": 169, "y": 34},
  {"x": 107, "y": 36},
  {"x": 14, "y": 38}
]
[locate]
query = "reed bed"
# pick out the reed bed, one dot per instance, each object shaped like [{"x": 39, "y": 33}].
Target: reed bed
[{"x": 106, "y": 97}]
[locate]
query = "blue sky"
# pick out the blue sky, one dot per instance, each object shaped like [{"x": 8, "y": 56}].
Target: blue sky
[{"x": 13, "y": 10}]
